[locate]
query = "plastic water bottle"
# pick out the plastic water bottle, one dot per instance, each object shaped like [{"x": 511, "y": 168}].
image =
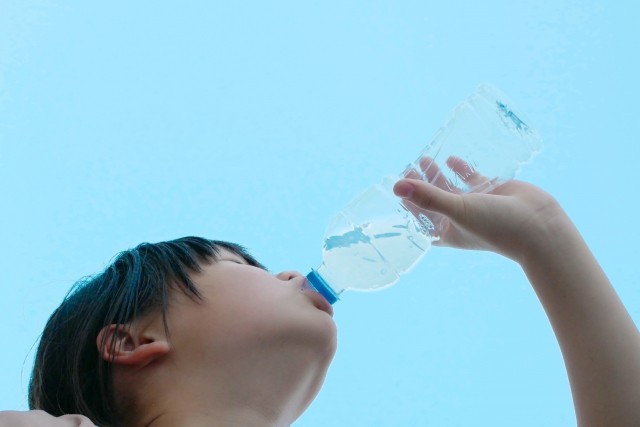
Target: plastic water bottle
[{"x": 376, "y": 238}]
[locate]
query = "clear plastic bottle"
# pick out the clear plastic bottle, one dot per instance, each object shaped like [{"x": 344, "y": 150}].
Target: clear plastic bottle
[{"x": 376, "y": 238}]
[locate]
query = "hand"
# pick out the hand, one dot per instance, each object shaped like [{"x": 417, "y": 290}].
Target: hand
[
  {"x": 599, "y": 341},
  {"x": 512, "y": 218}
]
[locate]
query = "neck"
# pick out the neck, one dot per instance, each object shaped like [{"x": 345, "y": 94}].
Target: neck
[
  {"x": 233, "y": 401},
  {"x": 270, "y": 391}
]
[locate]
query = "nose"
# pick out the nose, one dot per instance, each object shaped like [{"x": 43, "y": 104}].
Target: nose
[{"x": 288, "y": 275}]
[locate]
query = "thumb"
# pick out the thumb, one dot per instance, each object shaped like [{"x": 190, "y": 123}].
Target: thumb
[{"x": 429, "y": 197}]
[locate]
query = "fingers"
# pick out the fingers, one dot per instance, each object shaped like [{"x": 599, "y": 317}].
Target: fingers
[
  {"x": 433, "y": 174},
  {"x": 411, "y": 173},
  {"x": 467, "y": 173},
  {"x": 428, "y": 196},
  {"x": 430, "y": 173}
]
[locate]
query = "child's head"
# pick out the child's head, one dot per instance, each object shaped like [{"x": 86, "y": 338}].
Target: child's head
[{"x": 189, "y": 325}]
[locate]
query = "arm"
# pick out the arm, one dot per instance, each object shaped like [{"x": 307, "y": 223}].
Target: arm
[
  {"x": 41, "y": 419},
  {"x": 600, "y": 343}
]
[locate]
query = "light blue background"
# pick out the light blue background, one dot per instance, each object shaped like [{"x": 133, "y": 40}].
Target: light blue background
[{"x": 123, "y": 122}]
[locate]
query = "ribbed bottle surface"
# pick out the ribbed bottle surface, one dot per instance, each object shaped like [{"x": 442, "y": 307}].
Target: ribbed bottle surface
[{"x": 375, "y": 238}]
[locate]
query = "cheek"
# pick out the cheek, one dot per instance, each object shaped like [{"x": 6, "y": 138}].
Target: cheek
[
  {"x": 249, "y": 317},
  {"x": 242, "y": 315}
]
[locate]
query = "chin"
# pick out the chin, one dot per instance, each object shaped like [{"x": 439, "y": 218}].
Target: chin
[{"x": 325, "y": 334}]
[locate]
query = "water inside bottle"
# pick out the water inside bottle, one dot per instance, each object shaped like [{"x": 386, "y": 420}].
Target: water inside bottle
[
  {"x": 374, "y": 238},
  {"x": 371, "y": 255}
]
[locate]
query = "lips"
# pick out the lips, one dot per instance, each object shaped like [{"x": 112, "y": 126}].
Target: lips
[
  {"x": 316, "y": 298},
  {"x": 318, "y": 301}
]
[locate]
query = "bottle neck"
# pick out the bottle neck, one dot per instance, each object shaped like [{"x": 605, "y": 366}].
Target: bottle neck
[{"x": 317, "y": 279}]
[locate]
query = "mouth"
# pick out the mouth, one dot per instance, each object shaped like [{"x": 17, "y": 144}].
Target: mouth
[{"x": 318, "y": 300}]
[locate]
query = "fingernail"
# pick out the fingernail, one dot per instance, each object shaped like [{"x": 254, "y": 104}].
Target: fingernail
[{"x": 403, "y": 189}]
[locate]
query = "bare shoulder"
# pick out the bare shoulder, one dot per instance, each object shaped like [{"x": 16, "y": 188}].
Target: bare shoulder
[{"x": 42, "y": 419}]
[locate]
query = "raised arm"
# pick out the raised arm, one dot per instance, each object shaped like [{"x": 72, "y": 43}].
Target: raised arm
[{"x": 600, "y": 343}]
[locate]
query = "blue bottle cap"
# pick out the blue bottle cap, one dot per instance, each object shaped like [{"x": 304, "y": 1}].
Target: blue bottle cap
[{"x": 320, "y": 285}]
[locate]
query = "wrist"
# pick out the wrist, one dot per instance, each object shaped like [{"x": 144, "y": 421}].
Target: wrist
[{"x": 550, "y": 240}]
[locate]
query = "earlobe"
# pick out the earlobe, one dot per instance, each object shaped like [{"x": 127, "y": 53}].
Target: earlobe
[{"x": 118, "y": 344}]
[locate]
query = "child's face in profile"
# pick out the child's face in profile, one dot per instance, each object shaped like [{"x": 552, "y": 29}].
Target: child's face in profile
[{"x": 249, "y": 322}]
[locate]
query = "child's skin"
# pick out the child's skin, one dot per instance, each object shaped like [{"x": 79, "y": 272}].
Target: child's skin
[
  {"x": 599, "y": 341},
  {"x": 255, "y": 351}
]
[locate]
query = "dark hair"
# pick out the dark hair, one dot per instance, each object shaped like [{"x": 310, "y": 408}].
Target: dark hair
[{"x": 69, "y": 375}]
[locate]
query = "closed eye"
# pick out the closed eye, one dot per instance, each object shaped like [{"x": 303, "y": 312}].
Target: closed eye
[
  {"x": 236, "y": 261},
  {"x": 242, "y": 261}
]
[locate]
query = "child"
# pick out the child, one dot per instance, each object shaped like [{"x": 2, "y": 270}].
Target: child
[{"x": 197, "y": 333}]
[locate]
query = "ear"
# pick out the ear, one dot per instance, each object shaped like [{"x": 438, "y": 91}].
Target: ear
[{"x": 121, "y": 345}]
